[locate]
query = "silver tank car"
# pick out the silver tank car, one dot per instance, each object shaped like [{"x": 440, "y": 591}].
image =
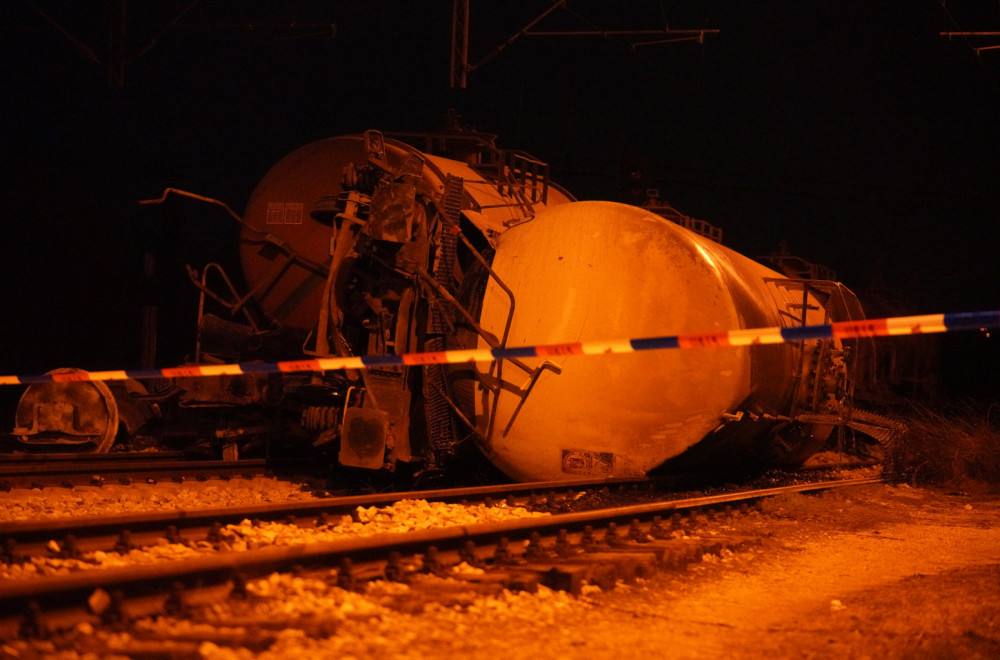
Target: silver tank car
[
  {"x": 534, "y": 266},
  {"x": 600, "y": 271}
]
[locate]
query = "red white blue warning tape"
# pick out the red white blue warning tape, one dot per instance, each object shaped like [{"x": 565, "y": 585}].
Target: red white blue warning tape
[{"x": 900, "y": 325}]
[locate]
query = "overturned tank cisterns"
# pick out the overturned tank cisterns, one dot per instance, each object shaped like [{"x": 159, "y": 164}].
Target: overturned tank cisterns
[{"x": 368, "y": 245}]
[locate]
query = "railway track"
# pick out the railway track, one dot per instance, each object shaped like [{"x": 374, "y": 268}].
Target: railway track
[
  {"x": 80, "y": 469},
  {"x": 563, "y": 551},
  {"x": 100, "y": 532}
]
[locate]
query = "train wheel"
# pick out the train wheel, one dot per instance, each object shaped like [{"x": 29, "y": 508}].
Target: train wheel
[{"x": 80, "y": 415}]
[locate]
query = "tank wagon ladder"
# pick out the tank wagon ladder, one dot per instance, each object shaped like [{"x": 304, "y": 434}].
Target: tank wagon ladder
[
  {"x": 524, "y": 178},
  {"x": 437, "y": 391},
  {"x": 449, "y": 206}
]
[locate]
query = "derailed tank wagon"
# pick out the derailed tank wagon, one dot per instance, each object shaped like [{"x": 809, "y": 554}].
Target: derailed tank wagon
[{"x": 364, "y": 245}]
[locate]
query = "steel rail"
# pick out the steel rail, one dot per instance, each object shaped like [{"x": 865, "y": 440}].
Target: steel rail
[
  {"x": 52, "y": 469},
  {"x": 42, "y": 530}
]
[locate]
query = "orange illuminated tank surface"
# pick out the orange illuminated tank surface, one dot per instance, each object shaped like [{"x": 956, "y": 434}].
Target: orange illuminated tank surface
[
  {"x": 368, "y": 245},
  {"x": 600, "y": 270}
]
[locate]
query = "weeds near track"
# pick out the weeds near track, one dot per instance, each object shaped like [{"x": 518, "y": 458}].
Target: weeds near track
[{"x": 957, "y": 447}]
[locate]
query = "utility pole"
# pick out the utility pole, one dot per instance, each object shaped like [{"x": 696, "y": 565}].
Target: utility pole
[
  {"x": 116, "y": 46},
  {"x": 459, "y": 43}
]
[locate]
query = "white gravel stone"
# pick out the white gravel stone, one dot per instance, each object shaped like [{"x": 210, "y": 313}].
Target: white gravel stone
[{"x": 403, "y": 516}]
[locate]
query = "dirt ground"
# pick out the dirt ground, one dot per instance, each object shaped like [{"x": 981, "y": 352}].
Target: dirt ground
[
  {"x": 873, "y": 572},
  {"x": 876, "y": 572}
]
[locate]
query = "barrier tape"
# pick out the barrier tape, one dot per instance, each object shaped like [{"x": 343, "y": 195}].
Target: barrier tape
[{"x": 900, "y": 325}]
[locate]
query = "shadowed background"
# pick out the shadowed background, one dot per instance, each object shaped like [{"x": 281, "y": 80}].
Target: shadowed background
[{"x": 853, "y": 131}]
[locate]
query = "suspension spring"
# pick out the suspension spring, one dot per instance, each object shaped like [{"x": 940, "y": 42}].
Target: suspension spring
[{"x": 320, "y": 418}]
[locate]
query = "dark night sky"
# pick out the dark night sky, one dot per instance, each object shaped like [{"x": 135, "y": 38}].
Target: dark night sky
[{"x": 851, "y": 130}]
